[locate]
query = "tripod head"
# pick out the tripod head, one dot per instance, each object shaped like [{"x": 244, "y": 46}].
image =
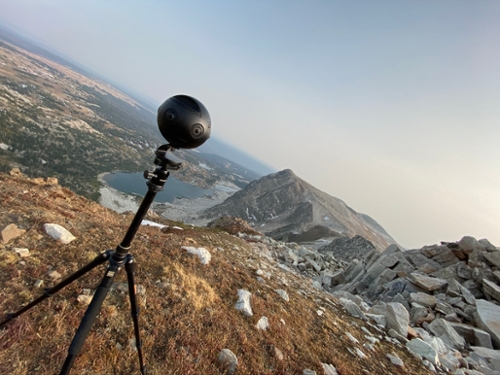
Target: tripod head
[{"x": 184, "y": 122}]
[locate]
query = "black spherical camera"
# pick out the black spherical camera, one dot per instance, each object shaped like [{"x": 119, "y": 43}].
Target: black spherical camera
[{"x": 184, "y": 122}]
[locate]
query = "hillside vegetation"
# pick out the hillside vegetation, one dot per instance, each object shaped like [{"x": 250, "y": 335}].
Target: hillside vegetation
[{"x": 188, "y": 312}]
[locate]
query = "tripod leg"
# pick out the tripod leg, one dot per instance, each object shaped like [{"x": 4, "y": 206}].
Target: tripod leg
[
  {"x": 130, "y": 268},
  {"x": 101, "y": 258},
  {"x": 90, "y": 315}
]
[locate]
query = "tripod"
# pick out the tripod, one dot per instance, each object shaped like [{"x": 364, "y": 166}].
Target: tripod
[{"x": 116, "y": 260}]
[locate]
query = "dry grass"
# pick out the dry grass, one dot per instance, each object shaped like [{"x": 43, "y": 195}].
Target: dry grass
[{"x": 188, "y": 315}]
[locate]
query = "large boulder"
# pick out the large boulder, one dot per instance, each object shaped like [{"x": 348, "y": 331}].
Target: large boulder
[{"x": 487, "y": 319}]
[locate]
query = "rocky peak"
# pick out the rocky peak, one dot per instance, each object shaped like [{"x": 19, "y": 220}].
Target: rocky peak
[{"x": 282, "y": 205}]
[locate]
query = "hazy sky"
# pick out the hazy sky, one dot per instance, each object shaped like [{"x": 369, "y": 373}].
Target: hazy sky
[{"x": 392, "y": 106}]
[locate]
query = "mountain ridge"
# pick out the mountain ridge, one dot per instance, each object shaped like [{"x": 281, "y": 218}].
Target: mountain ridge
[{"x": 282, "y": 203}]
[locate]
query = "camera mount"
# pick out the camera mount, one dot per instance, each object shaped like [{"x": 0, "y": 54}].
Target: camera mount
[{"x": 185, "y": 123}]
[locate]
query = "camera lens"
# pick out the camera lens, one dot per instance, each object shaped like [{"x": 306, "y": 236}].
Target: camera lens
[{"x": 170, "y": 115}]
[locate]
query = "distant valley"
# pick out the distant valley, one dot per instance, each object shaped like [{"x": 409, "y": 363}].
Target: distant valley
[{"x": 57, "y": 121}]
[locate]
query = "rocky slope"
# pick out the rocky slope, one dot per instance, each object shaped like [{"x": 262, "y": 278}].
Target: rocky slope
[
  {"x": 281, "y": 205},
  {"x": 441, "y": 301},
  {"x": 211, "y": 303}
]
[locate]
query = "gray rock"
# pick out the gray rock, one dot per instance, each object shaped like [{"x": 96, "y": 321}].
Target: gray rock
[
  {"x": 487, "y": 319},
  {"x": 464, "y": 271},
  {"x": 449, "y": 362},
  {"x": 378, "y": 319},
  {"x": 488, "y": 246},
  {"x": 397, "y": 318},
  {"x": 395, "y": 360},
  {"x": 442, "y": 329},
  {"x": 347, "y": 249},
  {"x": 418, "y": 313},
  {"x": 447, "y": 273},
  {"x": 491, "y": 289},
  {"x": 491, "y": 356},
  {"x": 308, "y": 372},
  {"x": 493, "y": 258},
  {"x": 424, "y": 350},
  {"x": 474, "y": 288},
  {"x": 423, "y": 299},
  {"x": 427, "y": 283},
  {"x": 468, "y": 244},
  {"x": 283, "y": 294},
  {"x": 397, "y": 336},
  {"x": 467, "y": 295},
  {"x": 472, "y": 335},
  {"x": 228, "y": 361},
  {"x": 352, "y": 309}
]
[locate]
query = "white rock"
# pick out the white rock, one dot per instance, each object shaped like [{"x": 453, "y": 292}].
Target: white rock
[
  {"x": 22, "y": 252},
  {"x": 283, "y": 294},
  {"x": 152, "y": 224},
  {"x": 202, "y": 253},
  {"x": 329, "y": 369},
  {"x": 243, "y": 303},
  {"x": 360, "y": 353},
  {"x": 352, "y": 338},
  {"x": 263, "y": 323},
  {"x": 59, "y": 233}
]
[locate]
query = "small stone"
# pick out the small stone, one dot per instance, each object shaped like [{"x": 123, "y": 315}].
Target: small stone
[
  {"x": 278, "y": 354},
  {"x": 360, "y": 353},
  {"x": 11, "y": 232},
  {"x": 54, "y": 275},
  {"x": 243, "y": 303},
  {"x": 283, "y": 294},
  {"x": 84, "y": 299},
  {"x": 308, "y": 372},
  {"x": 353, "y": 339},
  {"x": 329, "y": 369},
  {"x": 395, "y": 360},
  {"x": 22, "y": 252},
  {"x": 228, "y": 361},
  {"x": 38, "y": 283},
  {"x": 263, "y": 323}
]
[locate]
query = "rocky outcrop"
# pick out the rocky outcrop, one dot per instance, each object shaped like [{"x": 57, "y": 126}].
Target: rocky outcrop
[
  {"x": 282, "y": 205},
  {"x": 347, "y": 249},
  {"x": 441, "y": 301},
  {"x": 232, "y": 225}
]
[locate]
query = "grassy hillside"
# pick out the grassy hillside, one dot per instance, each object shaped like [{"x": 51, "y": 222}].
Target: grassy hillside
[{"x": 188, "y": 310}]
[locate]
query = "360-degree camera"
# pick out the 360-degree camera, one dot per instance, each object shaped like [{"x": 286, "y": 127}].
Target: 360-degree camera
[{"x": 184, "y": 122}]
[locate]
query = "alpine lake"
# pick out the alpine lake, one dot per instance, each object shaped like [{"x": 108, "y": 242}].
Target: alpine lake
[{"x": 134, "y": 183}]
